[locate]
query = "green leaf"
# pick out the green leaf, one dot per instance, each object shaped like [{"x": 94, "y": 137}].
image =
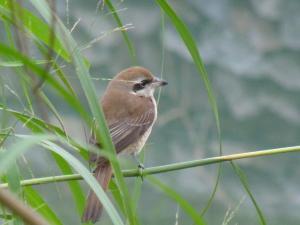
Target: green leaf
[
  {"x": 40, "y": 126},
  {"x": 101, "y": 130},
  {"x": 34, "y": 199},
  {"x": 57, "y": 68},
  {"x": 124, "y": 32},
  {"x": 116, "y": 194},
  {"x": 19, "y": 63},
  {"x": 191, "y": 45},
  {"x": 28, "y": 141},
  {"x": 37, "y": 125},
  {"x": 192, "y": 48},
  {"x": 176, "y": 197},
  {"x": 13, "y": 180},
  {"x": 245, "y": 184},
  {"x": 73, "y": 185},
  {"x": 8, "y": 158},
  {"x": 69, "y": 98},
  {"x": 39, "y": 29},
  {"x": 89, "y": 178}
]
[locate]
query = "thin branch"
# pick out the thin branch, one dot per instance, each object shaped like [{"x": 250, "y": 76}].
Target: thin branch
[
  {"x": 20, "y": 209},
  {"x": 165, "y": 168}
]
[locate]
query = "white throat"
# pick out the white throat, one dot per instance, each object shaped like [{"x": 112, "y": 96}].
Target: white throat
[{"x": 145, "y": 92}]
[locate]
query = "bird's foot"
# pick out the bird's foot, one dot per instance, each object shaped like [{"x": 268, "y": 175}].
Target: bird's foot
[{"x": 141, "y": 168}]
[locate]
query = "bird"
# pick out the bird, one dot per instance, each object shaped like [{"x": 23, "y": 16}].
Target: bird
[{"x": 130, "y": 110}]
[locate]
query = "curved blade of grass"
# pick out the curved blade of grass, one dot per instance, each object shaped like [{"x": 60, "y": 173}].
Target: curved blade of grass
[
  {"x": 57, "y": 68},
  {"x": 18, "y": 71},
  {"x": 34, "y": 199},
  {"x": 7, "y": 158},
  {"x": 19, "y": 63},
  {"x": 8, "y": 163},
  {"x": 74, "y": 102},
  {"x": 245, "y": 184},
  {"x": 101, "y": 130},
  {"x": 175, "y": 196},
  {"x": 74, "y": 186},
  {"x": 116, "y": 194},
  {"x": 6, "y": 216},
  {"x": 89, "y": 178},
  {"x": 39, "y": 126},
  {"x": 13, "y": 180},
  {"x": 211, "y": 198},
  {"x": 6, "y": 51},
  {"x": 51, "y": 81},
  {"x": 38, "y": 40},
  {"x": 39, "y": 29},
  {"x": 192, "y": 48},
  {"x": 60, "y": 73},
  {"x": 52, "y": 109},
  {"x": 124, "y": 32}
]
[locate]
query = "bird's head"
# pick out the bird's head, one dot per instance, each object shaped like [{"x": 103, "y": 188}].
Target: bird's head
[{"x": 137, "y": 81}]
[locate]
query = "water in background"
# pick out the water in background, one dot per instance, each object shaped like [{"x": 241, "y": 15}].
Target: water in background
[{"x": 252, "y": 54}]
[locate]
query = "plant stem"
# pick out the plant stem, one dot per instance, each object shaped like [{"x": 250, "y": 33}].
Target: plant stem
[
  {"x": 165, "y": 168},
  {"x": 28, "y": 215}
]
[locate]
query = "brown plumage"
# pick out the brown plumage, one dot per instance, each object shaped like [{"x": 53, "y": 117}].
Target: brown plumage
[{"x": 130, "y": 111}]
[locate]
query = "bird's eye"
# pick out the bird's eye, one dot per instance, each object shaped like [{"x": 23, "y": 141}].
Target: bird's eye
[
  {"x": 140, "y": 85},
  {"x": 144, "y": 82}
]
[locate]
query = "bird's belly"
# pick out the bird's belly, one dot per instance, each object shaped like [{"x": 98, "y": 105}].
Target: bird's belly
[{"x": 137, "y": 146}]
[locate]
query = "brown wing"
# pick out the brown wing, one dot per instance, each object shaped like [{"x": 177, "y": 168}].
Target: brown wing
[
  {"x": 129, "y": 130},
  {"x": 126, "y": 131}
]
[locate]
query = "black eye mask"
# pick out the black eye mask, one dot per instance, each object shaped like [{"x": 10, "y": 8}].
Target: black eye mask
[{"x": 141, "y": 85}]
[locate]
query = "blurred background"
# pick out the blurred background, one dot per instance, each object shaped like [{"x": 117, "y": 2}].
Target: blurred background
[{"x": 251, "y": 49}]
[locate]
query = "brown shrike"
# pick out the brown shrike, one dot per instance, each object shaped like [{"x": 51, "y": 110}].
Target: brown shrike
[{"x": 130, "y": 111}]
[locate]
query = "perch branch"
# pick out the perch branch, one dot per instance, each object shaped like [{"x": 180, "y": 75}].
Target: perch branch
[{"x": 166, "y": 168}]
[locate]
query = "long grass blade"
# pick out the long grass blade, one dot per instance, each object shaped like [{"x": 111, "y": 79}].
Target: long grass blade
[
  {"x": 37, "y": 28},
  {"x": 6, "y": 51},
  {"x": 192, "y": 48},
  {"x": 13, "y": 180},
  {"x": 245, "y": 184},
  {"x": 180, "y": 200},
  {"x": 74, "y": 186},
  {"x": 101, "y": 130},
  {"x": 37, "y": 125},
  {"x": 194, "y": 52},
  {"x": 34, "y": 199},
  {"x": 89, "y": 178},
  {"x": 7, "y": 158},
  {"x": 124, "y": 32}
]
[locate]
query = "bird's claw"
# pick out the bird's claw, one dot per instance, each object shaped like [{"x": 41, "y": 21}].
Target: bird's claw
[{"x": 141, "y": 168}]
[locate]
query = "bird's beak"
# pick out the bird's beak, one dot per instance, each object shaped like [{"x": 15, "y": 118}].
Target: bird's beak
[{"x": 157, "y": 82}]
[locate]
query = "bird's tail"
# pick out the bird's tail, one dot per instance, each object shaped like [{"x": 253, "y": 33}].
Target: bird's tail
[{"x": 94, "y": 207}]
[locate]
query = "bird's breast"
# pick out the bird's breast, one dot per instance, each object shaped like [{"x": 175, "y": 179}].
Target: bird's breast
[{"x": 138, "y": 145}]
